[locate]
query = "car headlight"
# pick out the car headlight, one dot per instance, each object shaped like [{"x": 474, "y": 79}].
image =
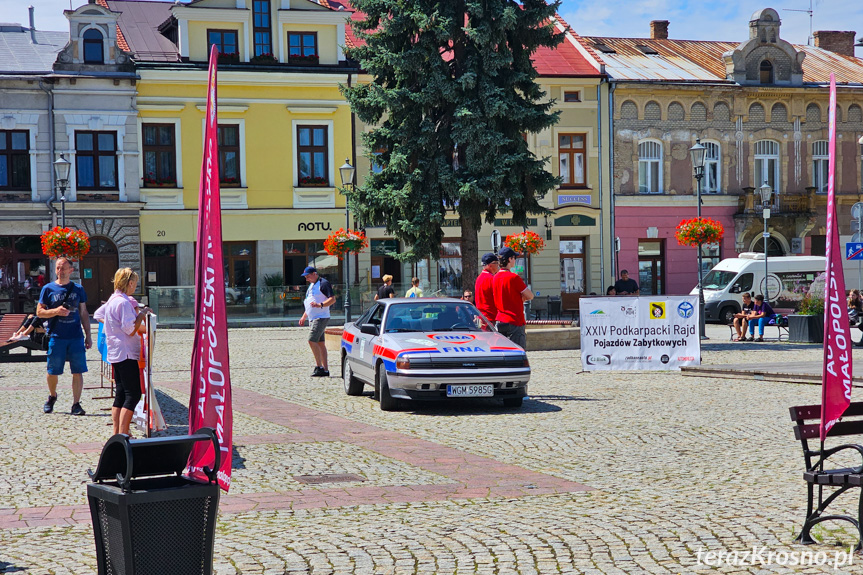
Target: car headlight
[{"x": 403, "y": 362}]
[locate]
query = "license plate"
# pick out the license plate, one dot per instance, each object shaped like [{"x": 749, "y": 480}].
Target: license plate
[{"x": 470, "y": 390}]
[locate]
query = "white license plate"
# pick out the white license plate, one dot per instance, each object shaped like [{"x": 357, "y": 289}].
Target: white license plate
[{"x": 470, "y": 390}]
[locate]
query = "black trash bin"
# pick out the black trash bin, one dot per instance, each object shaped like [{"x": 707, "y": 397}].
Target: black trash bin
[{"x": 148, "y": 518}]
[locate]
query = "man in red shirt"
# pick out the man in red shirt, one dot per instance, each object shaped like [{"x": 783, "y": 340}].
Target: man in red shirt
[
  {"x": 483, "y": 291},
  {"x": 510, "y": 293}
]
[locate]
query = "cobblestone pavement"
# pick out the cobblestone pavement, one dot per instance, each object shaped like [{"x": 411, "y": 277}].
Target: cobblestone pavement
[{"x": 597, "y": 473}]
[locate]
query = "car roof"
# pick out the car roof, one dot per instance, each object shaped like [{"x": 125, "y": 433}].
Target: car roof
[{"x": 426, "y": 300}]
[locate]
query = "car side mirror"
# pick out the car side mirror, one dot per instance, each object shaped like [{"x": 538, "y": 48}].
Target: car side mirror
[
  {"x": 735, "y": 289},
  {"x": 370, "y": 329}
]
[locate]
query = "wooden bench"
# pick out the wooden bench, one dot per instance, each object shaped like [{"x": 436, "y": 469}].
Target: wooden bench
[
  {"x": 9, "y": 324},
  {"x": 820, "y": 471},
  {"x": 781, "y": 324}
]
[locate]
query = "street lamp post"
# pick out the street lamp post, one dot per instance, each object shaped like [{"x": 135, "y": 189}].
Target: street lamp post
[
  {"x": 61, "y": 175},
  {"x": 347, "y": 172},
  {"x": 698, "y": 153},
  {"x": 765, "y": 192}
]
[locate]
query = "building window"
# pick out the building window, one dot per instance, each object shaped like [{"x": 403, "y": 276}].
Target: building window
[
  {"x": 650, "y": 167},
  {"x": 240, "y": 276},
  {"x": 712, "y": 169},
  {"x": 766, "y": 72},
  {"x": 299, "y": 254},
  {"x": 377, "y": 163},
  {"x": 570, "y": 148},
  {"x": 312, "y": 156},
  {"x": 96, "y": 160},
  {"x": 93, "y": 47},
  {"x": 709, "y": 257},
  {"x": 14, "y": 160},
  {"x": 767, "y": 166},
  {"x": 818, "y": 246},
  {"x": 160, "y": 156},
  {"x": 571, "y": 267},
  {"x": 229, "y": 155},
  {"x": 651, "y": 267},
  {"x": 820, "y": 166},
  {"x": 262, "y": 28},
  {"x": 303, "y": 48},
  {"x": 225, "y": 41},
  {"x": 572, "y": 96}
]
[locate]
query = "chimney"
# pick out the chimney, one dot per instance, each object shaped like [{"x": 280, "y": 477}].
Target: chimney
[
  {"x": 33, "y": 25},
  {"x": 659, "y": 29},
  {"x": 839, "y": 42}
]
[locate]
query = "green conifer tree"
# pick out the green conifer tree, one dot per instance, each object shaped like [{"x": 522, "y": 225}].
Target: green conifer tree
[{"x": 452, "y": 95}]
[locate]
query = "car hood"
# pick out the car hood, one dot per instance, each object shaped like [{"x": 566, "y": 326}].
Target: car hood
[{"x": 450, "y": 343}]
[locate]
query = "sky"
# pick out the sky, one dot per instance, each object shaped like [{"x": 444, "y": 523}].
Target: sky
[{"x": 690, "y": 20}]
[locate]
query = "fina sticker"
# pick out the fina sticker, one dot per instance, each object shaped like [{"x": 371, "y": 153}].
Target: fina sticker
[{"x": 451, "y": 338}]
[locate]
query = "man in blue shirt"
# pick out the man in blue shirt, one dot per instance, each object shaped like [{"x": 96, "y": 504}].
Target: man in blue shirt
[
  {"x": 319, "y": 298},
  {"x": 62, "y": 305},
  {"x": 761, "y": 314}
]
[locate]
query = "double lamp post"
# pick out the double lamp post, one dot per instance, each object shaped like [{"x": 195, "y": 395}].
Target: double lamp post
[
  {"x": 347, "y": 172},
  {"x": 61, "y": 176}
]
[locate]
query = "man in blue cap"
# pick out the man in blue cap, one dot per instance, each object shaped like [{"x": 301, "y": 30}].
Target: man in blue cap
[{"x": 319, "y": 298}]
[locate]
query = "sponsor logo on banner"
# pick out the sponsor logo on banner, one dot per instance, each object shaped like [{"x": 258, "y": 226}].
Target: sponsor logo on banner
[
  {"x": 599, "y": 314},
  {"x": 598, "y": 359},
  {"x": 664, "y": 359},
  {"x": 629, "y": 310},
  {"x": 685, "y": 358},
  {"x": 657, "y": 310},
  {"x": 685, "y": 310}
]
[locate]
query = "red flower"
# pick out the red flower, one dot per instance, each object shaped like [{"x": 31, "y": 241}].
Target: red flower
[
  {"x": 526, "y": 242},
  {"x": 65, "y": 242},
  {"x": 699, "y": 231},
  {"x": 344, "y": 241}
]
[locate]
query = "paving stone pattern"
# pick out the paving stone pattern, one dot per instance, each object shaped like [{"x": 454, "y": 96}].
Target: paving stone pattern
[{"x": 597, "y": 473}]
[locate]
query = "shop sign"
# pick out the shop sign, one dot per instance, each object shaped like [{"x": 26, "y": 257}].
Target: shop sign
[
  {"x": 314, "y": 226},
  {"x": 531, "y": 222},
  {"x": 563, "y": 199},
  {"x": 575, "y": 220}
]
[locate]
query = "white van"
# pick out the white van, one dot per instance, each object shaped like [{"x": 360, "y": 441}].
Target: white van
[{"x": 790, "y": 278}]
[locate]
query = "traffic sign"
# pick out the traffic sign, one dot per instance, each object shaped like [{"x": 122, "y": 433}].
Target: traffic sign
[
  {"x": 854, "y": 251},
  {"x": 857, "y": 210}
]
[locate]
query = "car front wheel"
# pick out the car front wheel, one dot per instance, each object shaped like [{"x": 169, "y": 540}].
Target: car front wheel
[
  {"x": 387, "y": 401},
  {"x": 353, "y": 386}
]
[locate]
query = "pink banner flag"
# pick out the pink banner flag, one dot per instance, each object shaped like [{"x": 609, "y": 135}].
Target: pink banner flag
[
  {"x": 210, "y": 399},
  {"x": 838, "y": 370}
]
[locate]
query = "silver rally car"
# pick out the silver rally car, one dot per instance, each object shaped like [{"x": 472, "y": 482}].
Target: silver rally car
[{"x": 431, "y": 348}]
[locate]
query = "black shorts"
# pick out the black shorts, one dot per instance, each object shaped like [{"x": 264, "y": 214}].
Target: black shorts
[{"x": 127, "y": 376}]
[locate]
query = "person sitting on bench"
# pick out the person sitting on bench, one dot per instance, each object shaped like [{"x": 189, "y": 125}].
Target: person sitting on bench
[
  {"x": 28, "y": 326},
  {"x": 741, "y": 319},
  {"x": 761, "y": 314}
]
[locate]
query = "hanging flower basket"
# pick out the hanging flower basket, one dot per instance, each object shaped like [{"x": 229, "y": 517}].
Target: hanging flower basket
[
  {"x": 344, "y": 241},
  {"x": 699, "y": 231},
  {"x": 65, "y": 242},
  {"x": 525, "y": 243}
]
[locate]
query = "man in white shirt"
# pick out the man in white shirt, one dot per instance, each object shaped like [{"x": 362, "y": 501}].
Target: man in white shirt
[{"x": 319, "y": 298}]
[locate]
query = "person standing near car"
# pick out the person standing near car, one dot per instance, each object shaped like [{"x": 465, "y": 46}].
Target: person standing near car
[
  {"x": 62, "y": 303},
  {"x": 415, "y": 290},
  {"x": 510, "y": 293},
  {"x": 319, "y": 298},
  {"x": 483, "y": 290},
  {"x": 386, "y": 290}
]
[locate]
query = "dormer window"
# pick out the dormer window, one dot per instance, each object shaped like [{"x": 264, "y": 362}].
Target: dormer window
[
  {"x": 303, "y": 48},
  {"x": 262, "y": 30},
  {"x": 94, "y": 52},
  {"x": 766, "y": 71}
]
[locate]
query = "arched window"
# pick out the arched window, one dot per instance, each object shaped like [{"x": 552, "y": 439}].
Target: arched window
[
  {"x": 820, "y": 166},
  {"x": 766, "y": 70},
  {"x": 93, "y": 47},
  {"x": 767, "y": 166},
  {"x": 712, "y": 169},
  {"x": 650, "y": 167}
]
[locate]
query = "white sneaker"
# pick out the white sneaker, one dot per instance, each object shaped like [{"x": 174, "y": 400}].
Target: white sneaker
[{"x": 19, "y": 337}]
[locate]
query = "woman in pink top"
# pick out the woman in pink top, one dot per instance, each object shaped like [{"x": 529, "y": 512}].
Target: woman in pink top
[{"x": 122, "y": 320}]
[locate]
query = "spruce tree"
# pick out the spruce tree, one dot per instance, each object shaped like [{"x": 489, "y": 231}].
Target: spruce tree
[{"x": 452, "y": 95}]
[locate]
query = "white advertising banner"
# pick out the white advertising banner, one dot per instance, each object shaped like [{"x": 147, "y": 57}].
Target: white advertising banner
[{"x": 637, "y": 333}]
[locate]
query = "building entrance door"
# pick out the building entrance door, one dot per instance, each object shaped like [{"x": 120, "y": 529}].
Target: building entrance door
[{"x": 97, "y": 270}]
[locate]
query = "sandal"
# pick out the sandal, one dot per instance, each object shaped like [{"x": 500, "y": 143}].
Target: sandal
[{"x": 760, "y": 339}]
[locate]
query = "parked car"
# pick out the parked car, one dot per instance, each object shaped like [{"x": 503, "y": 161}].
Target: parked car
[
  {"x": 237, "y": 295},
  {"x": 422, "y": 349}
]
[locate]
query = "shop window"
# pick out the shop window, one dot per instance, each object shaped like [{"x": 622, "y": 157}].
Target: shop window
[
  {"x": 160, "y": 155},
  {"x": 96, "y": 160},
  {"x": 240, "y": 279},
  {"x": 14, "y": 160},
  {"x": 299, "y": 254}
]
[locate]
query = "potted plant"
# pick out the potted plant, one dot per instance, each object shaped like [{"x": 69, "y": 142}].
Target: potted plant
[
  {"x": 344, "y": 241},
  {"x": 229, "y": 57},
  {"x": 312, "y": 181},
  {"x": 807, "y": 325},
  {"x": 526, "y": 242},
  {"x": 698, "y": 231},
  {"x": 66, "y": 242},
  {"x": 265, "y": 58},
  {"x": 310, "y": 59},
  {"x": 274, "y": 284}
]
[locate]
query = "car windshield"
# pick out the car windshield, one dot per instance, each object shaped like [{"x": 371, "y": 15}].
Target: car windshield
[
  {"x": 718, "y": 279},
  {"x": 427, "y": 316}
]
